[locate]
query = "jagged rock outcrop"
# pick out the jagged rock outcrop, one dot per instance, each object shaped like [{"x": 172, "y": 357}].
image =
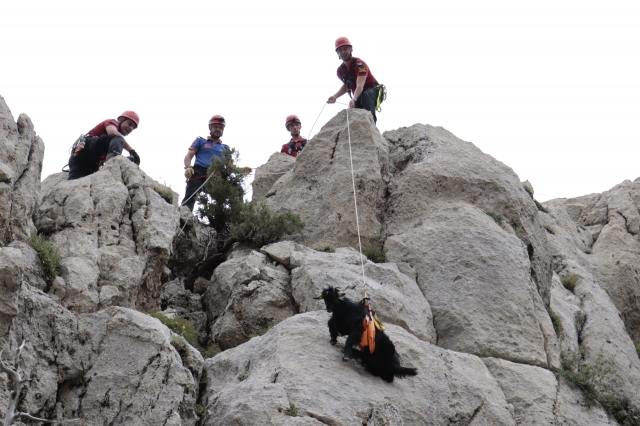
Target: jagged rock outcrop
[
  {"x": 114, "y": 233},
  {"x": 21, "y": 155}
]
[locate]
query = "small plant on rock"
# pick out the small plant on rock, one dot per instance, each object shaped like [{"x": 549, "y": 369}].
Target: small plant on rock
[
  {"x": 374, "y": 254},
  {"x": 498, "y": 219},
  {"x": 165, "y": 192},
  {"x": 557, "y": 323},
  {"x": 243, "y": 376},
  {"x": 541, "y": 207},
  {"x": 199, "y": 409},
  {"x": 257, "y": 225},
  {"x": 49, "y": 256},
  {"x": 210, "y": 352},
  {"x": 292, "y": 410},
  {"x": 569, "y": 282},
  {"x": 637, "y": 345},
  {"x": 325, "y": 247},
  {"x": 179, "y": 326}
]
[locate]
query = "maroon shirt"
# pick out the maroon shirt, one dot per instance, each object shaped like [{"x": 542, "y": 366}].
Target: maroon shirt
[
  {"x": 361, "y": 70},
  {"x": 101, "y": 129}
]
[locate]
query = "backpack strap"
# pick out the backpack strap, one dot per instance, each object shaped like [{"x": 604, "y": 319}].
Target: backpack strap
[{"x": 349, "y": 78}]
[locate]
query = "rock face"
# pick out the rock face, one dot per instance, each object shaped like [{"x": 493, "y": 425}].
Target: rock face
[
  {"x": 266, "y": 175},
  {"x": 21, "y": 155},
  {"x": 474, "y": 272},
  {"x": 260, "y": 382}
]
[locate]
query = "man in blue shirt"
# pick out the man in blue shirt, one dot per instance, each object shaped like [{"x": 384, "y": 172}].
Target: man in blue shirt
[{"x": 204, "y": 150}]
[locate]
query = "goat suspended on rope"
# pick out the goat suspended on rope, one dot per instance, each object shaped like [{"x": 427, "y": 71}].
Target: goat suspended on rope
[{"x": 356, "y": 321}]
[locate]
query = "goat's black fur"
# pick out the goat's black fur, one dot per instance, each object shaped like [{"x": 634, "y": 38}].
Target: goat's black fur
[{"x": 346, "y": 320}]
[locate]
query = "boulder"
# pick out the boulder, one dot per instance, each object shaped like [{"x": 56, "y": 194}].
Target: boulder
[
  {"x": 476, "y": 277},
  {"x": 266, "y": 379},
  {"x": 266, "y": 175},
  {"x": 21, "y": 155}
]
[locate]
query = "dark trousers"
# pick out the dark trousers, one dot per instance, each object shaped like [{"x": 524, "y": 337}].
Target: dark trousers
[
  {"x": 87, "y": 161},
  {"x": 368, "y": 99},
  {"x": 193, "y": 184}
]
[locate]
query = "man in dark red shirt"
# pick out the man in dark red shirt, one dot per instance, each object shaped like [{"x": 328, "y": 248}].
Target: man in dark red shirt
[
  {"x": 101, "y": 143},
  {"x": 356, "y": 79},
  {"x": 297, "y": 142}
]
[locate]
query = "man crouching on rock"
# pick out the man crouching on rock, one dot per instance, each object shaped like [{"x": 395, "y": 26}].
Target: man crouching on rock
[{"x": 103, "y": 142}]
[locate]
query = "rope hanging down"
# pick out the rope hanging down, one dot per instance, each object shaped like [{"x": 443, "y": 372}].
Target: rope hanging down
[{"x": 355, "y": 202}]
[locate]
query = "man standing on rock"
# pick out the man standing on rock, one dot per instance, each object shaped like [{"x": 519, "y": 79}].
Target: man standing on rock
[
  {"x": 204, "y": 150},
  {"x": 297, "y": 142},
  {"x": 364, "y": 90},
  {"x": 103, "y": 142}
]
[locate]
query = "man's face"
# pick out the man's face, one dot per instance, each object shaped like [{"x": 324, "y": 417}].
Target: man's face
[
  {"x": 216, "y": 130},
  {"x": 344, "y": 52},
  {"x": 127, "y": 126},
  {"x": 294, "y": 128}
]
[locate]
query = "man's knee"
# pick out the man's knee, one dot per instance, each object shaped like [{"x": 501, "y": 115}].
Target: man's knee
[{"x": 116, "y": 145}]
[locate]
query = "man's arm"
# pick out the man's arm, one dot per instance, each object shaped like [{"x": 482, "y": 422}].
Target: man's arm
[
  {"x": 113, "y": 131},
  {"x": 187, "y": 158},
  {"x": 342, "y": 91},
  {"x": 359, "y": 87}
]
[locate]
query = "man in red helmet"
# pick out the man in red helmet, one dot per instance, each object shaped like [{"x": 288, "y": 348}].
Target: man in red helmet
[
  {"x": 297, "y": 142},
  {"x": 103, "y": 142},
  {"x": 356, "y": 77},
  {"x": 204, "y": 150}
]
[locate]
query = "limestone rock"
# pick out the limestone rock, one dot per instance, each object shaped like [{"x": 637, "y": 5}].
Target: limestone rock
[
  {"x": 266, "y": 175},
  {"x": 256, "y": 382},
  {"x": 318, "y": 188},
  {"x": 119, "y": 225},
  {"x": 21, "y": 155},
  {"x": 476, "y": 278}
]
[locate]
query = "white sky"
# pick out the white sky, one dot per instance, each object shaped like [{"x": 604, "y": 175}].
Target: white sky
[{"x": 549, "y": 87}]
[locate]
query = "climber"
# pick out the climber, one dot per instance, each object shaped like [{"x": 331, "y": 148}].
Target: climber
[
  {"x": 357, "y": 80},
  {"x": 204, "y": 150},
  {"x": 103, "y": 142},
  {"x": 297, "y": 142}
]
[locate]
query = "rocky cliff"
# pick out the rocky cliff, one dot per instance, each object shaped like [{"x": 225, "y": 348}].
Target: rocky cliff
[{"x": 474, "y": 272}]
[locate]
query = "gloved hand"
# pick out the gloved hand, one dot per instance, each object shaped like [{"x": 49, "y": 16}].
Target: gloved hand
[
  {"x": 136, "y": 157},
  {"x": 188, "y": 172}
]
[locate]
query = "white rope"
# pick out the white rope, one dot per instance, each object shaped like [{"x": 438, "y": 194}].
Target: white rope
[{"x": 355, "y": 202}]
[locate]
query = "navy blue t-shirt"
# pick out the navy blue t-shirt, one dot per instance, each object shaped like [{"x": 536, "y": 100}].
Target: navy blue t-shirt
[{"x": 205, "y": 150}]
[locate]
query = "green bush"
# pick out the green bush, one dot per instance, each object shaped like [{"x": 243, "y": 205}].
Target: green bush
[
  {"x": 637, "y": 345},
  {"x": 261, "y": 332},
  {"x": 49, "y": 256},
  {"x": 165, "y": 192},
  {"x": 210, "y": 352},
  {"x": 179, "y": 326},
  {"x": 223, "y": 195},
  {"x": 255, "y": 224},
  {"x": 569, "y": 282},
  {"x": 325, "y": 247},
  {"x": 199, "y": 409},
  {"x": 541, "y": 207},
  {"x": 495, "y": 217},
  {"x": 374, "y": 254},
  {"x": 591, "y": 379},
  {"x": 243, "y": 376},
  {"x": 557, "y": 323},
  {"x": 292, "y": 410}
]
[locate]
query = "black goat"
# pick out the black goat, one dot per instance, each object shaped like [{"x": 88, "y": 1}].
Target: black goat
[{"x": 347, "y": 320}]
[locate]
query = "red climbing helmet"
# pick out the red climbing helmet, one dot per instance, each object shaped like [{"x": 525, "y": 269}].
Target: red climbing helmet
[
  {"x": 291, "y": 119},
  {"x": 342, "y": 41},
  {"x": 217, "y": 119},
  {"x": 131, "y": 115}
]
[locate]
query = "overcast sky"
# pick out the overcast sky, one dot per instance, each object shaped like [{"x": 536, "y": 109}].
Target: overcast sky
[{"x": 549, "y": 87}]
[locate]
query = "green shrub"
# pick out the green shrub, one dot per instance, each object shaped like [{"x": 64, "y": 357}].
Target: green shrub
[
  {"x": 292, "y": 410},
  {"x": 179, "y": 326},
  {"x": 374, "y": 254},
  {"x": 591, "y": 379},
  {"x": 516, "y": 228},
  {"x": 199, "y": 409},
  {"x": 569, "y": 282},
  {"x": 529, "y": 189},
  {"x": 495, "y": 217},
  {"x": 243, "y": 376},
  {"x": 325, "y": 247},
  {"x": 255, "y": 224},
  {"x": 49, "y": 256},
  {"x": 557, "y": 323},
  {"x": 637, "y": 345},
  {"x": 261, "y": 332},
  {"x": 165, "y": 192},
  {"x": 210, "y": 352}
]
